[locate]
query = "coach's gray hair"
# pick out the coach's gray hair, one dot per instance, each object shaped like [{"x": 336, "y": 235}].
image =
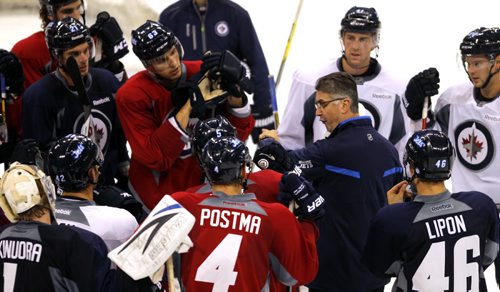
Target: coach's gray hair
[{"x": 340, "y": 84}]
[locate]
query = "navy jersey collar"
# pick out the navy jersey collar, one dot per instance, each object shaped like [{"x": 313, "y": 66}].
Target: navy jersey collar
[{"x": 356, "y": 121}]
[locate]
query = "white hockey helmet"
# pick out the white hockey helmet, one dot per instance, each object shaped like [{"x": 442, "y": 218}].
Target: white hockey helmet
[{"x": 22, "y": 187}]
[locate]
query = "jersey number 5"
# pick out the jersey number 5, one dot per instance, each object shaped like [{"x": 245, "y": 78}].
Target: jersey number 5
[
  {"x": 430, "y": 274},
  {"x": 218, "y": 267}
]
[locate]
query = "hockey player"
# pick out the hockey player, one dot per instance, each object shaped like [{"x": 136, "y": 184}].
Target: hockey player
[
  {"x": 155, "y": 106},
  {"x": 379, "y": 92},
  {"x": 468, "y": 114},
  {"x": 264, "y": 184},
  {"x": 440, "y": 241},
  {"x": 353, "y": 169},
  {"x": 238, "y": 239},
  {"x": 218, "y": 25},
  {"x": 74, "y": 163},
  {"x": 36, "y": 59},
  {"x": 53, "y": 108},
  {"x": 38, "y": 255}
]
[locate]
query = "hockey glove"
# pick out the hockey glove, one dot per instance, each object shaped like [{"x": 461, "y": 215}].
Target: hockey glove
[
  {"x": 234, "y": 74},
  {"x": 11, "y": 68},
  {"x": 310, "y": 203},
  {"x": 205, "y": 97},
  {"x": 27, "y": 151},
  {"x": 108, "y": 31},
  {"x": 424, "y": 84},
  {"x": 263, "y": 120},
  {"x": 271, "y": 155},
  {"x": 114, "y": 197}
]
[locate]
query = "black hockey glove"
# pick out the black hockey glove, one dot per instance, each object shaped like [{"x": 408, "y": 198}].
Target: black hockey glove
[
  {"x": 303, "y": 193},
  {"x": 114, "y": 197},
  {"x": 205, "y": 97},
  {"x": 108, "y": 31},
  {"x": 263, "y": 120},
  {"x": 424, "y": 84},
  {"x": 234, "y": 74},
  {"x": 271, "y": 155},
  {"x": 12, "y": 70},
  {"x": 27, "y": 151}
]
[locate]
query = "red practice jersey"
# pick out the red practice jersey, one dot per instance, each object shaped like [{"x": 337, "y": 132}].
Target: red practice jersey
[{"x": 238, "y": 240}]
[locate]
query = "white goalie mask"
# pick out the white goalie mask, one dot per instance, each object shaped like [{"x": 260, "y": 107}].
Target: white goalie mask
[{"x": 22, "y": 187}]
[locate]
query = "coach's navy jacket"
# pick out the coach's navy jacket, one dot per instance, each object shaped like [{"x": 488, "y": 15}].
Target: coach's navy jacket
[{"x": 352, "y": 169}]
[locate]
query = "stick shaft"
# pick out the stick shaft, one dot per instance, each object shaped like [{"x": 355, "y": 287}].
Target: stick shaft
[
  {"x": 425, "y": 109},
  {"x": 288, "y": 44}
]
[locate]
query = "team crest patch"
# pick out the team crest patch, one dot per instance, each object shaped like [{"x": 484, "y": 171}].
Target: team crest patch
[
  {"x": 474, "y": 145},
  {"x": 222, "y": 28}
]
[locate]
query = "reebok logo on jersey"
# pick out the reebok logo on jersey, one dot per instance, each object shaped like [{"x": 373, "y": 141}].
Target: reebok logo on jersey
[
  {"x": 101, "y": 101},
  {"x": 382, "y": 95},
  {"x": 442, "y": 207},
  {"x": 63, "y": 211}
]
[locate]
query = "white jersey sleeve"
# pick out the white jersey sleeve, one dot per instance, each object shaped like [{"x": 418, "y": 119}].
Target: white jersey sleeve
[{"x": 291, "y": 130}]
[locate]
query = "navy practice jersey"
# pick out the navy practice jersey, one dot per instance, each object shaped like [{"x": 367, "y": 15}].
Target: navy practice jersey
[
  {"x": 41, "y": 257},
  {"x": 435, "y": 243}
]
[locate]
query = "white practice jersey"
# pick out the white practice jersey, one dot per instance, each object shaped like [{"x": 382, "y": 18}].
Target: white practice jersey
[
  {"x": 379, "y": 94},
  {"x": 474, "y": 129},
  {"x": 113, "y": 225}
]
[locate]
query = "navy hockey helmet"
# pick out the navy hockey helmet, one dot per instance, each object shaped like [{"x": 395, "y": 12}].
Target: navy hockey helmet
[
  {"x": 360, "y": 19},
  {"x": 205, "y": 130},
  {"x": 224, "y": 159},
  {"x": 65, "y": 34},
  {"x": 481, "y": 41},
  {"x": 70, "y": 159},
  {"x": 431, "y": 155},
  {"x": 152, "y": 40}
]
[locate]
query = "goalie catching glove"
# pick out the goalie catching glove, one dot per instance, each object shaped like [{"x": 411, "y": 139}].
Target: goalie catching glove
[
  {"x": 234, "y": 74},
  {"x": 205, "y": 97},
  {"x": 424, "y": 84},
  {"x": 295, "y": 187}
]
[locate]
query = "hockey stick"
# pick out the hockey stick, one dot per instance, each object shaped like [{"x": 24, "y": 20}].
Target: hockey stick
[
  {"x": 4, "y": 137},
  {"x": 274, "y": 100},
  {"x": 88, "y": 128},
  {"x": 289, "y": 42},
  {"x": 425, "y": 109}
]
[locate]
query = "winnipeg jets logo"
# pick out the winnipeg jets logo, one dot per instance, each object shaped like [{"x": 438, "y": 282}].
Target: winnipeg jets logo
[
  {"x": 222, "y": 28},
  {"x": 474, "y": 145},
  {"x": 100, "y": 130}
]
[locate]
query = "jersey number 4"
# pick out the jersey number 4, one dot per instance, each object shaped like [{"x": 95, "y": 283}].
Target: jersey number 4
[
  {"x": 218, "y": 267},
  {"x": 430, "y": 275}
]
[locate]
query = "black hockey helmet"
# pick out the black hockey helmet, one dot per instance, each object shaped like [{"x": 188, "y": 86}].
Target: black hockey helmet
[
  {"x": 360, "y": 19},
  {"x": 481, "y": 41},
  {"x": 70, "y": 159},
  {"x": 205, "y": 130},
  {"x": 431, "y": 154},
  {"x": 65, "y": 34},
  {"x": 152, "y": 40},
  {"x": 223, "y": 159}
]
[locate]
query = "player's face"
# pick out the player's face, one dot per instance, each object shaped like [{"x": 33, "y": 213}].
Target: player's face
[
  {"x": 169, "y": 66},
  {"x": 479, "y": 67},
  {"x": 81, "y": 53},
  {"x": 358, "y": 47},
  {"x": 329, "y": 109},
  {"x": 74, "y": 9}
]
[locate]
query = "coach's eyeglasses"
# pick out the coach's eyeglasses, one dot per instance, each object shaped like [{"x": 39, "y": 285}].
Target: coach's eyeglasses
[{"x": 322, "y": 104}]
